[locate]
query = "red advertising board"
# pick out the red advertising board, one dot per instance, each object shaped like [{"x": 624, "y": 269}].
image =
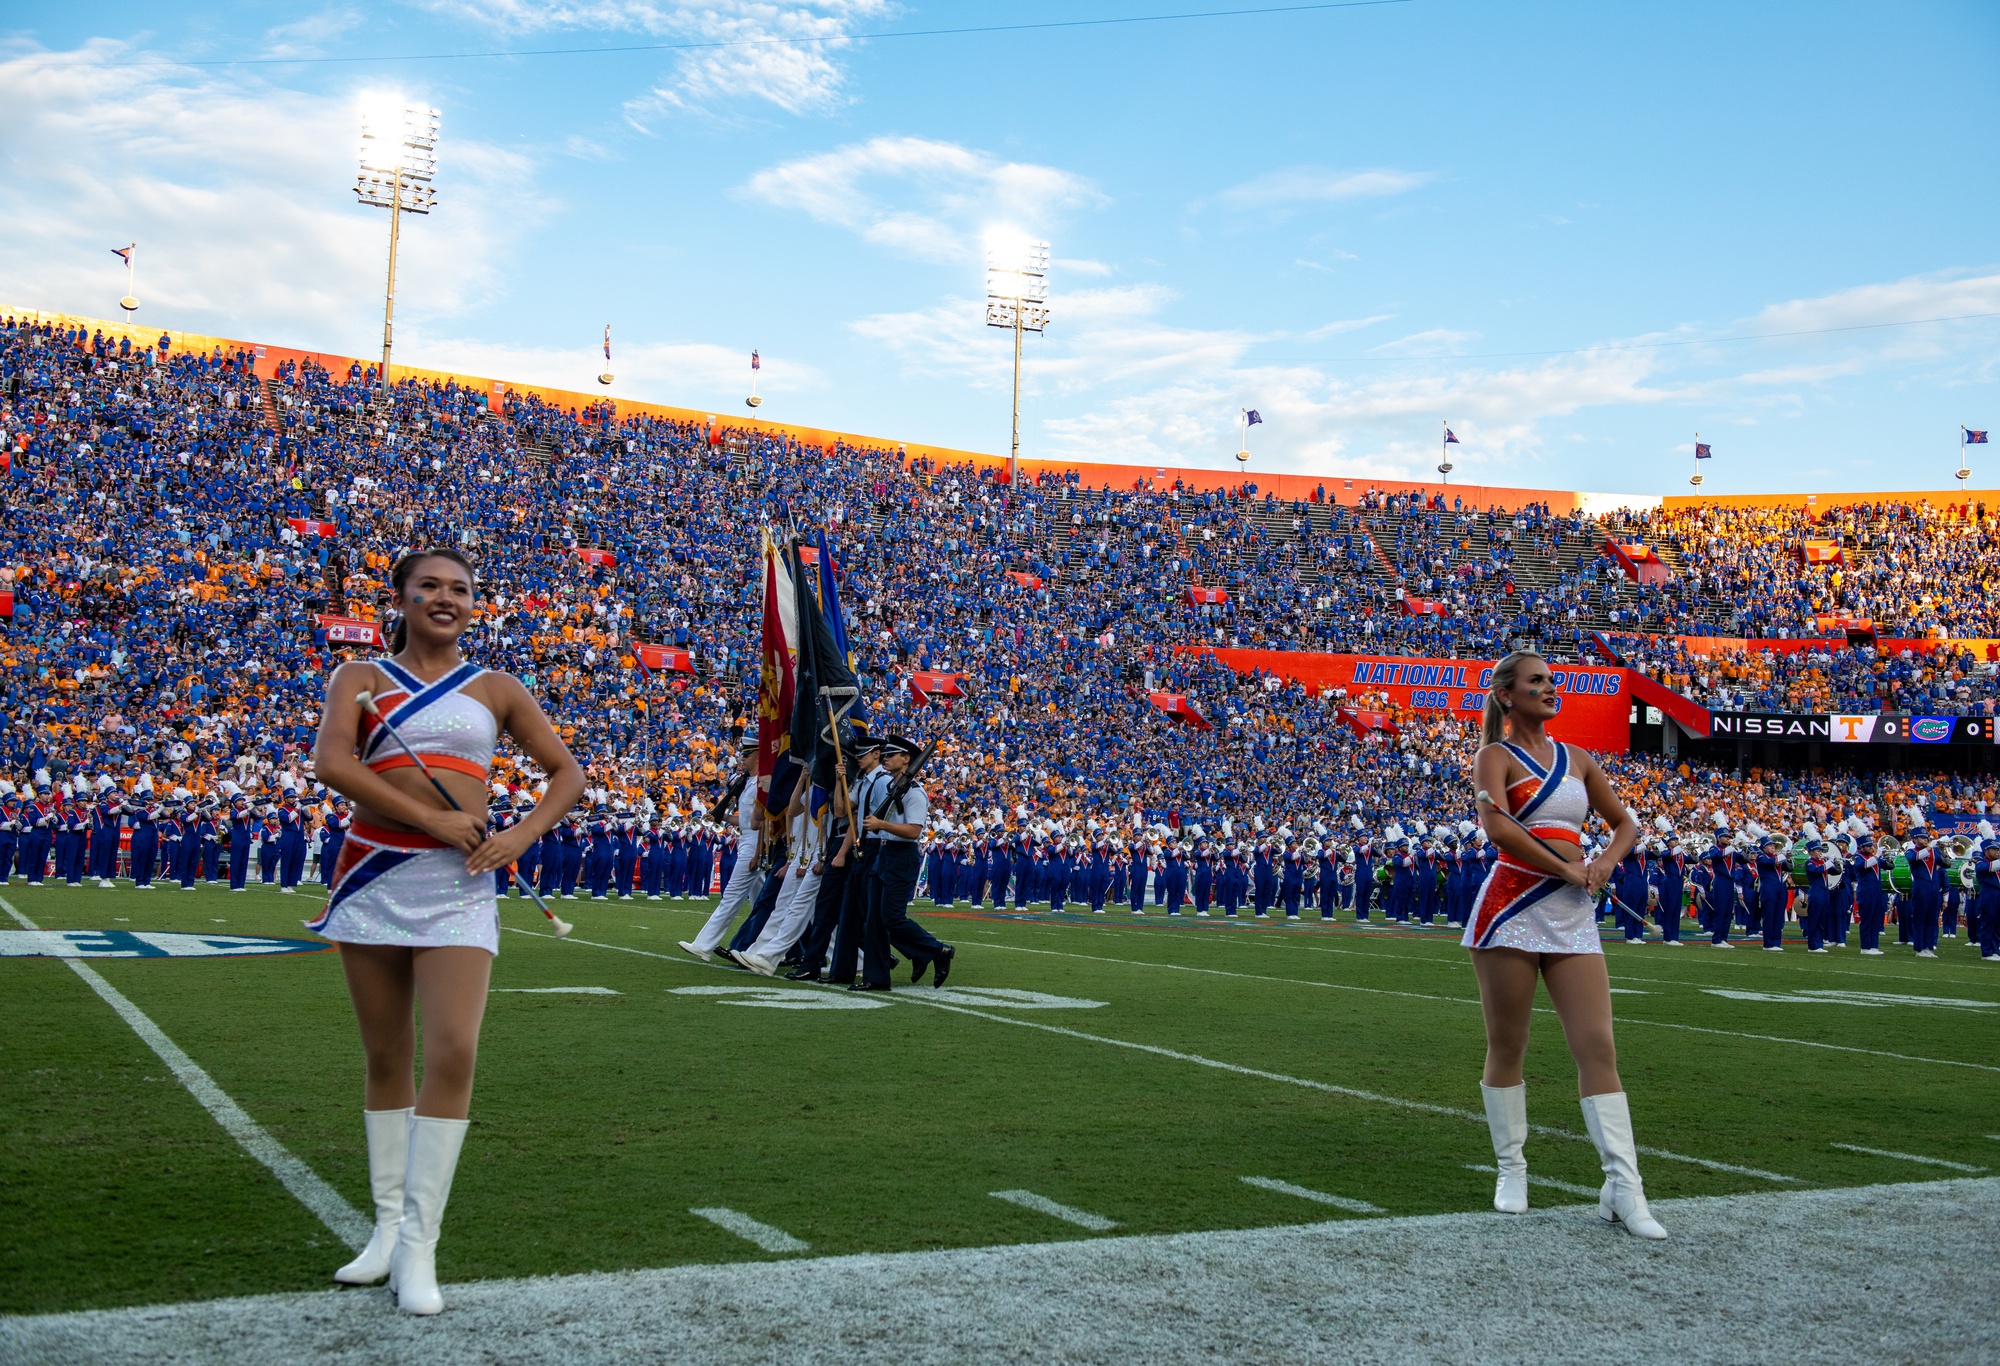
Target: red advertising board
[{"x": 1596, "y": 703}]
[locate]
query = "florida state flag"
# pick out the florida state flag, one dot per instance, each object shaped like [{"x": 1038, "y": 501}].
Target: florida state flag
[
  {"x": 596, "y": 556},
  {"x": 306, "y": 526},
  {"x": 1197, "y": 595}
]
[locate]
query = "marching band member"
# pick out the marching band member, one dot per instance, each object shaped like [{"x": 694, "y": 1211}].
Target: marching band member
[
  {"x": 413, "y": 906},
  {"x": 1533, "y": 918}
]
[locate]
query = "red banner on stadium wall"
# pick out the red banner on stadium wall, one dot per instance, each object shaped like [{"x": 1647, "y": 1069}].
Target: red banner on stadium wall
[
  {"x": 1822, "y": 552},
  {"x": 1179, "y": 709},
  {"x": 1596, "y": 703},
  {"x": 927, "y": 686},
  {"x": 1197, "y": 595},
  {"x": 1025, "y": 580},
  {"x": 663, "y": 657},
  {"x": 349, "y": 630},
  {"x": 306, "y": 526},
  {"x": 1640, "y": 563},
  {"x": 1365, "y": 721},
  {"x": 596, "y": 556}
]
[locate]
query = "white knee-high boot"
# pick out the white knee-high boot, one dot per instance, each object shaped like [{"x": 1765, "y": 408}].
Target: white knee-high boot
[
  {"x": 388, "y": 1157},
  {"x": 1507, "y": 1118},
  {"x": 1623, "y": 1199},
  {"x": 434, "y": 1145}
]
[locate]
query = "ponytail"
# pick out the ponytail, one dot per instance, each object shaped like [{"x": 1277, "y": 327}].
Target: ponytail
[{"x": 1493, "y": 720}]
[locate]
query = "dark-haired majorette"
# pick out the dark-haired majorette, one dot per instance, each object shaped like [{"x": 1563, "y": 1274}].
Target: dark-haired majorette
[{"x": 409, "y": 739}]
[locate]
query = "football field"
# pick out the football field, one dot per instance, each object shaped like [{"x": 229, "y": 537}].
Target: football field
[{"x": 183, "y": 1125}]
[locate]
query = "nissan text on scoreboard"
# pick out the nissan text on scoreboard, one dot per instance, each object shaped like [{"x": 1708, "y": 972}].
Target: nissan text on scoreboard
[{"x": 1886, "y": 728}]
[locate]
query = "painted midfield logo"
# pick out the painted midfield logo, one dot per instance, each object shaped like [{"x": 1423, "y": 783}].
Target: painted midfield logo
[{"x": 147, "y": 944}]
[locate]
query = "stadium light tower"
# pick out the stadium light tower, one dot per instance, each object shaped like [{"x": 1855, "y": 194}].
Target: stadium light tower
[
  {"x": 1017, "y": 297},
  {"x": 398, "y": 159}
]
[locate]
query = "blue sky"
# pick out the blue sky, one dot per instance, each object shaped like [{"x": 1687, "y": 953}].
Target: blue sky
[{"x": 1534, "y": 221}]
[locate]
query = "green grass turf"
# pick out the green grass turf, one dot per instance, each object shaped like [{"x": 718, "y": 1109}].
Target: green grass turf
[{"x": 600, "y": 1120}]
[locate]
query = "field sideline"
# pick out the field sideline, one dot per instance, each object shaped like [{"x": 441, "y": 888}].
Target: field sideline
[{"x": 1118, "y": 1075}]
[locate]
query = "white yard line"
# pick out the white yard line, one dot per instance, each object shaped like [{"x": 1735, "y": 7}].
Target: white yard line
[
  {"x": 1329, "y": 1088},
  {"x": 1911, "y": 1157},
  {"x": 302, "y": 1181},
  {"x": 560, "y": 991},
  {"x": 751, "y": 1230},
  {"x": 1473, "y": 1001},
  {"x": 1041, "y": 1204},
  {"x": 1592, "y": 1192},
  {"x": 920, "y": 998},
  {"x": 1271, "y": 1183}
]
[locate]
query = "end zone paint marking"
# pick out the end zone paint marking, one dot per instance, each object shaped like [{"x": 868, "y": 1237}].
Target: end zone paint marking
[
  {"x": 1589, "y": 1192},
  {"x": 1041, "y": 1204},
  {"x": 1270, "y": 1183},
  {"x": 1910, "y": 1157},
  {"x": 302, "y": 1181},
  {"x": 750, "y": 1230}
]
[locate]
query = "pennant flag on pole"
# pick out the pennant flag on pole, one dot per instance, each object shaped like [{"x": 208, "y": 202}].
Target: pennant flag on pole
[
  {"x": 755, "y": 363},
  {"x": 1449, "y": 439},
  {"x": 1702, "y": 452},
  {"x": 1251, "y": 418},
  {"x": 124, "y": 253},
  {"x": 1973, "y": 438}
]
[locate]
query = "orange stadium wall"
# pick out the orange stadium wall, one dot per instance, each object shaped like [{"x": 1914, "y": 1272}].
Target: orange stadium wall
[{"x": 1596, "y": 703}]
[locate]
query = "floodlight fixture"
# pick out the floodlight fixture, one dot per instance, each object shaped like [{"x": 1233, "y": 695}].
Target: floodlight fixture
[
  {"x": 1017, "y": 298},
  {"x": 398, "y": 162}
]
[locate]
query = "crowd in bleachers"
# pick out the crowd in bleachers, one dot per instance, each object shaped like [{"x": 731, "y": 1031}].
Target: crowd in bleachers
[{"x": 166, "y": 599}]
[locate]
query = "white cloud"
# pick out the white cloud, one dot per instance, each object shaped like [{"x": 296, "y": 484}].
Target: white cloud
[
  {"x": 1942, "y": 295},
  {"x": 1296, "y": 186},
  {"x": 783, "y": 54},
  {"x": 935, "y": 200},
  {"x": 1125, "y": 386},
  {"x": 1334, "y": 329},
  {"x": 239, "y": 196},
  {"x": 684, "y": 374},
  {"x": 1436, "y": 341}
]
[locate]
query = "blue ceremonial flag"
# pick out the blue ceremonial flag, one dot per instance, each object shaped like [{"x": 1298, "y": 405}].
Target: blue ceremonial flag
[
  {"x": 1250, "y": 417},
  {"x": 1449, "y": 439},
  {"x": 607, "y": 341},
  {"x": 755, "y": 363},
  {"x": 1973, "y": 438},
  {"x": 124, "y": 253},
  {"x": 1702, "y": 452},
  {"x": 829, "y": 602}
]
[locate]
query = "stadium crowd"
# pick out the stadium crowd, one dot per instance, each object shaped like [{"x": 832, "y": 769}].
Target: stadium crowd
[{"x": 175, "y": 529}]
